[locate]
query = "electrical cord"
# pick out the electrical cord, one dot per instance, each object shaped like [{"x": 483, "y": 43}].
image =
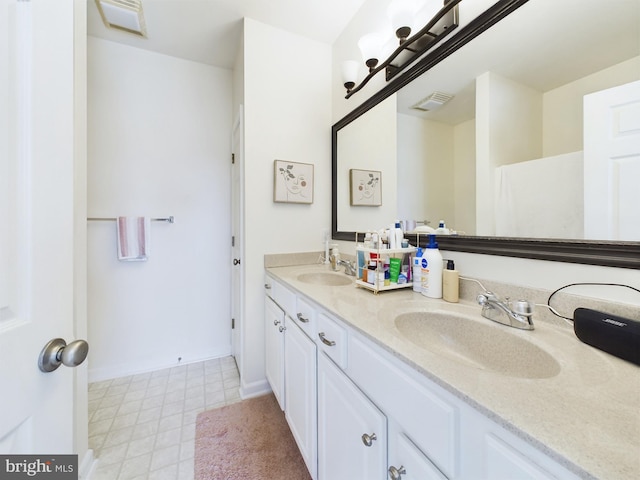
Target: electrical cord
[{"x": 548, "y": 305}]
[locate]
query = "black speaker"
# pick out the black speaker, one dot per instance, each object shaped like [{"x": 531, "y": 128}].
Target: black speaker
[{"x": 618, "y": 336}]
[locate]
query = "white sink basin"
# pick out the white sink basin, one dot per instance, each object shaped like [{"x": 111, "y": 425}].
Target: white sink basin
[
  {"x": 472, "y": 342},
  {"x": 325, "y": 278}
]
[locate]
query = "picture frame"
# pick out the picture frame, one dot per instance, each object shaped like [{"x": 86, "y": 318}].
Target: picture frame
[
  {"x": 365, "y": 187},
  {"x": 292, "y": 182}
]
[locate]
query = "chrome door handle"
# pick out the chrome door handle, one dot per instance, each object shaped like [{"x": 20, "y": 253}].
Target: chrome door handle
[
  {"x": 302, "y": 318},
  {"x": 57, "y": 352},
  {"x": 396, "y": 473},
  {"x": 330, "y": 343},
  {"x": 368, "y": 439}
]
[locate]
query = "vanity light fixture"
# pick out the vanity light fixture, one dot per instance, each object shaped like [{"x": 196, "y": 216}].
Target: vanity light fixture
[
  {"x": 402, "y": 14},
  {"x": 125, "y": 15}
]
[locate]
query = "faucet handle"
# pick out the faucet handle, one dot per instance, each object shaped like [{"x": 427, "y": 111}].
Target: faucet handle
[{"x": 523, "y": 307}]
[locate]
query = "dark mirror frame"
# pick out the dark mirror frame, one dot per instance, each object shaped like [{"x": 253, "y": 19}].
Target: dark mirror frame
[{"x": 590, "y": 252}]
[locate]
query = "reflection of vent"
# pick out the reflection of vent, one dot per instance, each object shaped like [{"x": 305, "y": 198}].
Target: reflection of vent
[
  {"x": 125, "y": 15},
  {"x": 433, "y": 101}
]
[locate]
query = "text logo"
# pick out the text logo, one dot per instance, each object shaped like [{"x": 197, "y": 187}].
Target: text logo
[{"x": 50, "y": 467}]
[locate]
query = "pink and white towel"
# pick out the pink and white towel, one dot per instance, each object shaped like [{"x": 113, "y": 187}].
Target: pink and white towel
[{"x": 133, "y": 238}]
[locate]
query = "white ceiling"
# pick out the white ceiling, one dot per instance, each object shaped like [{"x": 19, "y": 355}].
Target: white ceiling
[
  {"x": 209, "y": 31},
  {"x": 544, "y": 44}
]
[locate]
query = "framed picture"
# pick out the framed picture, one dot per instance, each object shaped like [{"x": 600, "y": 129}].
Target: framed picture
[
  {"x": 365, "y": 187},
  {"x": 292, "y": 182}
]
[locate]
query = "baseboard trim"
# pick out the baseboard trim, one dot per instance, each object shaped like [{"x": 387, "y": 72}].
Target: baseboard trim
[
  {"x": 254, "y": 389},
  {"x": 87, "y": 466}
]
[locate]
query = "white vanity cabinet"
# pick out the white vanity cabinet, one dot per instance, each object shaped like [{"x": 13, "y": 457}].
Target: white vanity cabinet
[
  {"x": 274, "y": 329},
  {"x": 352, "y": 431},
  {"x": 290, "y": 365},
  {"x": 358, "y": 412},
  {"x": 300, "y": 392}
]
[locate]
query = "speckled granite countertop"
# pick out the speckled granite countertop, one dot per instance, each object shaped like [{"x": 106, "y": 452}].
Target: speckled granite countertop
[{"x": 587, "y": 417}]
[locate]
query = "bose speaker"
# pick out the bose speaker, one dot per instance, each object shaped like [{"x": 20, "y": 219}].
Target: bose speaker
[{"x": 616, "y": 335}]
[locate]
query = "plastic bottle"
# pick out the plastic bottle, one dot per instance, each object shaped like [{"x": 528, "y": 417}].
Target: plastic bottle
[
  {"x": 442, "y": 229},
  {"x": 417, "y": 273},
  {"x": 399, "y": 234},
  {"x": 431, "y": 269},
  {"x": 450, "y": 283},
  {"x": 335, "y": 257}
]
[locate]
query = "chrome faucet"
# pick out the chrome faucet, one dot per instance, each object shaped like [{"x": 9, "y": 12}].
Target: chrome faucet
[
  {"x": 516, "y": 314},
  {"x": 349, "y": 268}
]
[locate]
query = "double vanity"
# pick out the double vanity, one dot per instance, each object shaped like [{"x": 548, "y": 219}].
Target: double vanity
[{"x": 400, "y": 386}]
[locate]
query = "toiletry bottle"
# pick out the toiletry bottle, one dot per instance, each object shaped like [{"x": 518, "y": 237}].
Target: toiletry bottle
[
  {"x": 399, "y": 234},
  {"x": 335, "y": 258},
  {"x": 417, "y": 274},
  {"x": 442, "y": 229},
  {"x": 431, "y": 269},
  {"x": 450, "y": 283}
]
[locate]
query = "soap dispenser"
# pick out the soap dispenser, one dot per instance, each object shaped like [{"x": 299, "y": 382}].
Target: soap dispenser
[{"x": 450, "y": 283}]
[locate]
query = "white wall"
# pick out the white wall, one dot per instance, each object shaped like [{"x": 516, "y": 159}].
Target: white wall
[
  {"x": 563, "y": 106},
  {"x": 508, "y": 130},
  {"x": 287, "y": 92},
  {"x": 159, "y": 133}
]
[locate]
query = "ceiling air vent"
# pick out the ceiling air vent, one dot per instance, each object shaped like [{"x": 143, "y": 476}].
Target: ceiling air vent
[
  {"x": 124, "y": 15},
  {"x": 433, "y": 101}
]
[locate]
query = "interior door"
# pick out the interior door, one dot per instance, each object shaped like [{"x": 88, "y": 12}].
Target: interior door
[
  {"x": 36, "y": 227},
  {"x": 612, "y": 163},
  {"x": 237, "y": 239}
]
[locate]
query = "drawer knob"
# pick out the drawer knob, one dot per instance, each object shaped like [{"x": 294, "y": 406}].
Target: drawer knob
[
  {"x": 276, "y": 322},
  {"x": 396, "y": 473},
  {"x": 302, "y": 318},
  {"x": 330, "y": 343},
  {"x": 282, "y": 328},
  {"x": 368, "y": 439}
]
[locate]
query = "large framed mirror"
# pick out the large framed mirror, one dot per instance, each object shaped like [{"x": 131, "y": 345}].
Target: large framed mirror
[{"x": 518, "y": 75}]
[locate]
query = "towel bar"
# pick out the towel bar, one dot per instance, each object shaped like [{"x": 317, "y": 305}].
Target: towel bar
[{"x": 94, "y": 219}]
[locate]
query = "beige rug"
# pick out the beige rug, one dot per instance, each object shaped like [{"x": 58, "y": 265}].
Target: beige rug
[{"x": 249, "y": 440}]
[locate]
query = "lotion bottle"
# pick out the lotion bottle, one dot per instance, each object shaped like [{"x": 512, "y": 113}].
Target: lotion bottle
[
  {"x": 417, "y": 273},
  {"x": 451, "y": 283},
  {"x": 431, "y": 269}
]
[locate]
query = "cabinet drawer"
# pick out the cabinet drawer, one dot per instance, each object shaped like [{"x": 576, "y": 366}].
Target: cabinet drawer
[
  {"x": 284, "y": 297},
  {"x": 305, "y": 317},
  {"x": 332, "y": 339},
  {"x": 430, "y": 421}
]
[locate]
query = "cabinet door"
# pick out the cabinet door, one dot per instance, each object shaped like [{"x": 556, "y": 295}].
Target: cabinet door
[
  {"x": 274, "y": 348},
  {"x": 352, "y": 432},
  {"x": 300, "y": 393},
  {"x": 407, "y": 462}
]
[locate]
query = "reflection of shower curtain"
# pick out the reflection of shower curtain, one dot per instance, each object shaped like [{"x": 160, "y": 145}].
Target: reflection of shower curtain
[{"x": 541, "y": 198}]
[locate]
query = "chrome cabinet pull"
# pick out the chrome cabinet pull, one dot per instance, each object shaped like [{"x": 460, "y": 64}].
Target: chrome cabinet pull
[
  {"x": 282, "y": 328},
  {"x": 330, "y": 343},
  {"x": 276, "y": 322},
  {"x": 302, "y": 318},
  {"x": 267, "y": 286},
  {"x": 396, "y": 473},
  {"x": 368, "y": 439}
]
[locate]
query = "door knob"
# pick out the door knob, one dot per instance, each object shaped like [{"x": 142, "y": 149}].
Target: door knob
[{"x": 57, "y": 352}]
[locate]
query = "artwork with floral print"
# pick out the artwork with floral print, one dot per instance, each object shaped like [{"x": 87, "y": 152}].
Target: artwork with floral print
[
  {"x": 366, "y": 187},
  {"x": 293, "y": 182}
]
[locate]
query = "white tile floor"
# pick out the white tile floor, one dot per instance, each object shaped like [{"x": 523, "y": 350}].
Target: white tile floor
[{"x": 143, "y": 426}]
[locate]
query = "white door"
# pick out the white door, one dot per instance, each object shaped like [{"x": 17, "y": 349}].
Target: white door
[
  {"x": 237, "y": 240},
  {"x": 612, "y": 163},
  {"x": 36, "y": 223}
]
